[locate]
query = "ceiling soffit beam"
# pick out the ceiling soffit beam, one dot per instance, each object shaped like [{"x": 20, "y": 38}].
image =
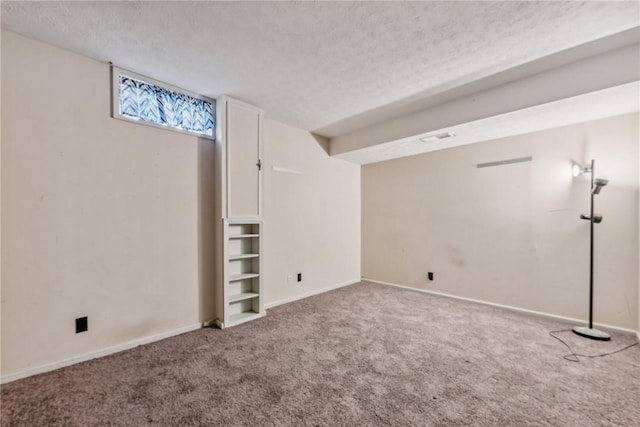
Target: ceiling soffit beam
[
  {"x": 588, "y": 75},
  {"x": 473, "y": 84}
]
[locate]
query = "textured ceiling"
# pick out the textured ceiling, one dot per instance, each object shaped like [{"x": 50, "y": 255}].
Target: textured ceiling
[{"x": 314, "y": 64}]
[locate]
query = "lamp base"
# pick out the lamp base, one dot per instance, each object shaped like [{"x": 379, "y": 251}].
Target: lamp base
[{"x": 591, "y": 333}]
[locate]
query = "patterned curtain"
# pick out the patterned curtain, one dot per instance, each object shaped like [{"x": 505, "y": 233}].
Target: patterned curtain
[{"x": 158, "y": 105}]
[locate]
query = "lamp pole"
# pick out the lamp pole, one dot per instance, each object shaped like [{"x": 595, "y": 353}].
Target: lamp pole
[
  {"x": 593, "y": 174},
  {"x": 590, "y": 332}
]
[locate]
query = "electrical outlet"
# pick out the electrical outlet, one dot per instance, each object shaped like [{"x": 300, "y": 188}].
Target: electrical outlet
[
  {"x": 430, "y": 275},
  {"x": 82, "y": 324},
  {"x": 299, "y": 277}
]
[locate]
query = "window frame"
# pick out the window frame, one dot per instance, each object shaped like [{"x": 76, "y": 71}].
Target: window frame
[{"x": 116, "y": 72}]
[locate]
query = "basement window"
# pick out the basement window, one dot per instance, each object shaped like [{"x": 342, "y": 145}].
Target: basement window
[{"x": 143, "y": 100}]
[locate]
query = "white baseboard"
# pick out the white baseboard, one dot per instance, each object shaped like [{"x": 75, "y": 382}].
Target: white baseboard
[
  {"x": 310, "y": 293},
  {"x": 508, "y": 307},
  {"x": 95, "y": 354}
]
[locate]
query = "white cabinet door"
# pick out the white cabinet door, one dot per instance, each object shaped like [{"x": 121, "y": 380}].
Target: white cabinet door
[{"x": 244, "y": 140}]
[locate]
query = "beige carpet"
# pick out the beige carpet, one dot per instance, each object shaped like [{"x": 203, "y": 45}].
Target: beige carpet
[{"x": 362, "y": 355}]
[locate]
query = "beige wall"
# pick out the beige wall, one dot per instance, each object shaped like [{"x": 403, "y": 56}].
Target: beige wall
[
  {"x": 0, "y": 204},
  {"x": 511, "y": 234},
  {"x": 311, "y": 214},
  {"x": 100, "y": 216},
  {"x": 113, "y": 220}
]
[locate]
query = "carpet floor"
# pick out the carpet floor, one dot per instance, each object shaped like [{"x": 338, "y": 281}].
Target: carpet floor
[{"x": 365, "y": 354}]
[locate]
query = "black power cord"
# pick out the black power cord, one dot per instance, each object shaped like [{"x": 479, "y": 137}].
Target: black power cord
[{"x": 575, "y": 357}]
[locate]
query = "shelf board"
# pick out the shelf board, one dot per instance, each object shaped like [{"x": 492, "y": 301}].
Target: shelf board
[
  {"x": 243, "y": 236},
  {"x": 243, "y": 256},
  {"x": 243, "y": 317},
  {"x": 244, "y": 276},
  {"x": 243, "y": 296}
]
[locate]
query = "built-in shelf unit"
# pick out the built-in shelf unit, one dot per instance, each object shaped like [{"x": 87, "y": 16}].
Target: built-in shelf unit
[
  {"x": 238, "y": 213},
  {"x": 243, "y": 271}
]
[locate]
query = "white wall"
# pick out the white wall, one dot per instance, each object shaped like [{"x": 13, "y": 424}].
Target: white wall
[
  {"x": 312, "y": 217},
  {"x": 511, "y": 234}
]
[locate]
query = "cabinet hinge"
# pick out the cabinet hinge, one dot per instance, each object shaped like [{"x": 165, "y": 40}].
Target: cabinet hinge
[{"x": 259, "y": 164}]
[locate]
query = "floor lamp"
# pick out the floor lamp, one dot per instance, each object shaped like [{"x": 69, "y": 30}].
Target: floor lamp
[{"x": 596, "y": 186}]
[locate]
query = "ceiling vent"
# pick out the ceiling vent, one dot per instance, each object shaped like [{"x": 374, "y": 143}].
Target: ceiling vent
[{"x": 438, "y": 137}]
